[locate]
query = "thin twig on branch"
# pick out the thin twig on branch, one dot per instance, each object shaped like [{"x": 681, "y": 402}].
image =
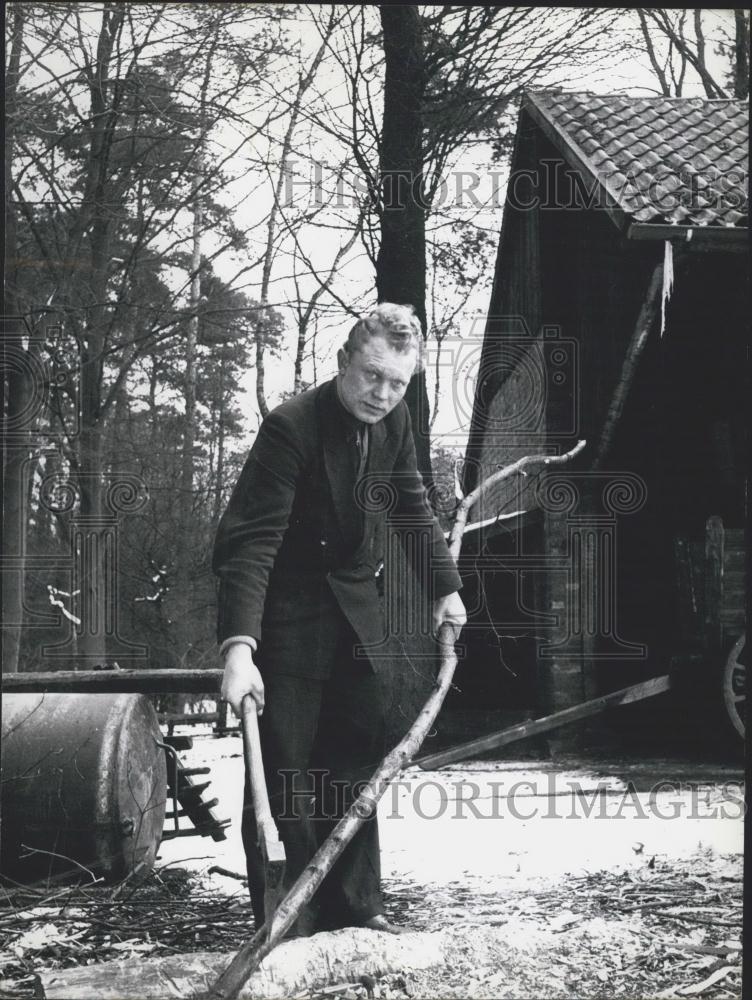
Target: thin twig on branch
[{"x": 466, "y": 505}]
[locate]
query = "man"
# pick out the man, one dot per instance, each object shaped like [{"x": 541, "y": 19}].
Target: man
[{"x": 297, "y": 552}]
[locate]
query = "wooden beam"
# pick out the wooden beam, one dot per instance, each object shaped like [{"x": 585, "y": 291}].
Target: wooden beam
[
  {"x": 144, "y": 681},
  {"x": 648, "y": 313},
  {"x": 637, "y": 692},
  {"x": 731, "y": 239}
]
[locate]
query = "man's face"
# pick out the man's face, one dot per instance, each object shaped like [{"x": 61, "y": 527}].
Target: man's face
[{"x": 374, "y": 379}]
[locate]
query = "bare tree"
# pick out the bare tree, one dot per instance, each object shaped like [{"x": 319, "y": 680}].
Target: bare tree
[
  {"x": 401, "y": 258},
  {"x": 184, "y": 550},
  {"x": 678, "y": 43},
  {"x": 304, "y": 83},
  {"x": 423, "y": 84},
  {"x": 16, "y": 384},
  {"x": 109, "y": 155},
  {"x": 305, "y": 309}
]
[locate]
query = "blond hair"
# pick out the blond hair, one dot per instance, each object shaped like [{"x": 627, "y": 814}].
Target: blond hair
[{"x": 397, "y": 324}]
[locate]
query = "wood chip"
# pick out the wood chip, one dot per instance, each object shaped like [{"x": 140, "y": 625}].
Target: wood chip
[{"x": 713, "y": 978}]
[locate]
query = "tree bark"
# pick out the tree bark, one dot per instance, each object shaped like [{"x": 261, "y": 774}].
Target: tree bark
[
  {"x": 401, "y": 258},
  {"x": 700, "y": 38},
  {"x": 219, "y": 473},
  {"x": 401, "y": 278},
  {"x": 92, "y": 638},
  {"x": 741, "y": 54},
  {"x": 15, "y": 382},
  {"x": 183, "y": 556}
]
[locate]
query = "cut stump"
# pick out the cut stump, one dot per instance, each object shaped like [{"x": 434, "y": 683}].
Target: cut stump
[{"x": 301, "y": 964}]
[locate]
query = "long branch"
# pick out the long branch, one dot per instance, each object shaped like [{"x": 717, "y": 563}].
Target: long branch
[{"x": 250, "y": 956}]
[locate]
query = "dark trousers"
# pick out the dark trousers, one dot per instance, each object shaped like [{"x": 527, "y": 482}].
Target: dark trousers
[{"x": 320, "y": 739}]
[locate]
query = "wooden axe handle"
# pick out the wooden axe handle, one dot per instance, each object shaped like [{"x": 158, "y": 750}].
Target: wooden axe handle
[{"x": 254, "y": 763}]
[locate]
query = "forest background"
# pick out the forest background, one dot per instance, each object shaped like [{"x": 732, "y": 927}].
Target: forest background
[{"x": 199, "y": 200}]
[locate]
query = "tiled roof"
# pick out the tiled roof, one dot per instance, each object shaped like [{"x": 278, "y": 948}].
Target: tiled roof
[{"x": 668, "y": 161}]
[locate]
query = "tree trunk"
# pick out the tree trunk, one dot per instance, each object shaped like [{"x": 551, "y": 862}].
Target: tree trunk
[
  {"x": 219, "y": 472},
  {"x": 401, "y": 259},
  {"x": 182, "y": 593},
  {"x": 18, "y": 386},
  {"x": 90, "y": 575},
  {"x": 297, "y": 383},
  {"x": 90, "y": 551},
  {"x": 16, "y": 454},
  {"x": 401, "y": 278},
  {"x": 741, "y": 55},
  {"x": 183, "y": 582}
]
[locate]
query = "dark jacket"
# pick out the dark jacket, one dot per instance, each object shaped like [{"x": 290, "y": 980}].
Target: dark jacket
[{"x": 301, "y": 541}]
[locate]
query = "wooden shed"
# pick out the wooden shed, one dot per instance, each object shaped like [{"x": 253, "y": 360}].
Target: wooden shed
[{"x": 619, "y": 315}]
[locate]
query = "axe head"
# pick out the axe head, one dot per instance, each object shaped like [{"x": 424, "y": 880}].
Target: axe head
[
  {"x": 271, "y": 847},
  {"x": 273, "y": 853}
]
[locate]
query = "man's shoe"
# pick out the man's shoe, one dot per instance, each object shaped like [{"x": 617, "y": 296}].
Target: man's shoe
[{"x": 380, "y": 923}]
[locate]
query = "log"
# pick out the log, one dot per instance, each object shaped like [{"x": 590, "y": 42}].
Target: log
[
  {"x": 624, "y": 696},
  {"x": 301, "y": 964},
  {"x": 146, "y": 681}
]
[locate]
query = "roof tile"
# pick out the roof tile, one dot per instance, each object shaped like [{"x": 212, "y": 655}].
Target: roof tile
[{"x": 671, "y": 160}]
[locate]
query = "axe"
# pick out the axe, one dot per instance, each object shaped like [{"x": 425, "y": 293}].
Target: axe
[{"x": 271, "y": 847}]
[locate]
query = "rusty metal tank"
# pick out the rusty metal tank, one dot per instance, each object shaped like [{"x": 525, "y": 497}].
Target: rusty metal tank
[{"x": 83, "y": 784}]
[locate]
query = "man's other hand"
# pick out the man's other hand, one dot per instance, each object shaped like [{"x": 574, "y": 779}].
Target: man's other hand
[
  {"x": 241, "y": 677},
  {"x": 449, "y": 610}
]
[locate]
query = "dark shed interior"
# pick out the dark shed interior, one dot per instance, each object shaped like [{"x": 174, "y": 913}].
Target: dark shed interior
[{"x": 565, "y": 271}]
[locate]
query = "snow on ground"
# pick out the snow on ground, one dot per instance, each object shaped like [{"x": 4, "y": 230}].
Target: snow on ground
[
  {"x": 503, "y": 824},
  {"x": 565, "y": 879},
  {"x": 562, "y": 880}
]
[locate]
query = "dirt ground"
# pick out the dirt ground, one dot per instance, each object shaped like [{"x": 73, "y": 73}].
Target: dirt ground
[
  {"x": 569, "y": 879},
  {"x": 668, "y": 931}
]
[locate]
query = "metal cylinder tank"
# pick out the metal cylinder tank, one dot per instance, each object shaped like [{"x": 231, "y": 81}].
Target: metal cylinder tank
[{"x": 83, "y": 785}]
